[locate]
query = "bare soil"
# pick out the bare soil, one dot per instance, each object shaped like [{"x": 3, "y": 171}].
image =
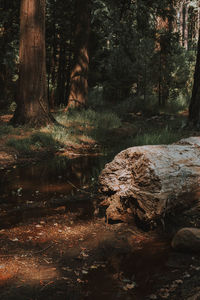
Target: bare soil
[{"x": 61, "y": 257}]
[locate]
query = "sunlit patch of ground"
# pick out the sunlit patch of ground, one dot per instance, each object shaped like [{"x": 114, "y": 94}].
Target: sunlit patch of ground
[
  {"x": 30, "y": 253},
  {"x": 184, "y": 113},
  {"x": 52, "y": 254},
  {"x": 25, "y": 270},
  {"x": 5, "y": 118},
  {"x": 6, "y": 158}
]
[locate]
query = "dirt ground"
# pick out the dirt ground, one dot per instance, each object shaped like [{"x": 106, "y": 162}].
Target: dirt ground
[{"x": 62, "y": 257}]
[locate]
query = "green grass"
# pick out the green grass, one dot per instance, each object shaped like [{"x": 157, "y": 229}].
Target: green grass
[
  {"x": 99, "y": 125},
  {"x": 23, "y": 146},
  {"x": 8, "y": 129},
  {"x": 61, "y": 134},
  {"x": 84, "y": 124},
  {"x": 37, "y": 141},
  {"x": 157, "y": 137},
  {"x": 42, "y": 139},
  {"x": 90, "y": 117}
]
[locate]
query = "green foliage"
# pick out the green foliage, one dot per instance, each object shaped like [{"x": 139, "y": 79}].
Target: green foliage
[
  {"x": 132, "y": 60},
  {"x": 90, "y": 117},
  {"x": 61, "y": 134},
  {"x": 23, "y": 146},
  {"x": 6, "y": 129},
  {"x": 9, "y": 47},
  {"x": 42, "y": 139},
  {"x": 37, "y": 141},
  {"x": 157, "y": 137}
]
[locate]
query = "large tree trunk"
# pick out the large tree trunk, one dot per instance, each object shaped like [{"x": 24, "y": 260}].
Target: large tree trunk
[
  {"x": 79, "y": 75},
  {"x": 145, "y": 183},
  {"x": 32, "y": 105},
  {"x": 194, "y": 108}
]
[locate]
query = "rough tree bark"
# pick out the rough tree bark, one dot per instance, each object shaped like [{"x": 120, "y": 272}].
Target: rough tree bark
[
  {"x": 185, "y": 25},
  {"x": 194, "y": 108},
  {"x": 145, "y": 183},
  {"x": 32, "y": 105},
  {"x": 79, "y": 74}
]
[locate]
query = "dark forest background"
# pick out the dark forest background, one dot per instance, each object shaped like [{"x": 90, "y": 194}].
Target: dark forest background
[{"x": 141, "y": 53}]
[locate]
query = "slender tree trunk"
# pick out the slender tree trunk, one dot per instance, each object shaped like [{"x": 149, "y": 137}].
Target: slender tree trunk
[
  {"x": 194, "y": 108},
  {"x": 185, "y": 25},
  {"x": 60, "y": 91},
  {"x": 165, "y": 25},
  {"x": 79, "y": 74},
  {"x": 53, "y": 59},
  {"x": 181, "y": 21},
  {"x": 32, "y": 105},
  {"x": 68, "y": 70},
  {"x": 198, "y": 21}
]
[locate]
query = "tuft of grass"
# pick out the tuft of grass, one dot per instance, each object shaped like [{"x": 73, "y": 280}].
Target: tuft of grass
[
  {"x": 37, "y": 141},
  {"x": 7, "y": 129},
  {"x": 23, "y": 146},
  {"x": 96, "y": 100},
  {"x": 61, "y": 134},
  {"x": 44, "y": 140},
  {"x": 157, "y": 137},
  {"x": 90, "y": 117}
]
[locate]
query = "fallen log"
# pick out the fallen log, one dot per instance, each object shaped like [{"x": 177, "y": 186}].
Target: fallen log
[{"x": 144, "y": 183}]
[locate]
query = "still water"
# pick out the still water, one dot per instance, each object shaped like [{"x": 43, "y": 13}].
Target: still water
[{"x": 59, "y": 178}]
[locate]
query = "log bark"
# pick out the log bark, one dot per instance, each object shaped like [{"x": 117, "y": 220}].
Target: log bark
[{"x": 146, "y": 183}]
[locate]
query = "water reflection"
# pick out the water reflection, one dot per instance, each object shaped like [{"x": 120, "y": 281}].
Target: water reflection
[{"x": 50, "y": 179}]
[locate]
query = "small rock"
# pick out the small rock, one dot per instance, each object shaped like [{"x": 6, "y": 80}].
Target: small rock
[{"x": 187, "y": 239}]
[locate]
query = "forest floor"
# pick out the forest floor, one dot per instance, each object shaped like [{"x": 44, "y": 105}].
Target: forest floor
[
  {"x": 61, "y": 254},
  {"x": 22, "y": 145}
]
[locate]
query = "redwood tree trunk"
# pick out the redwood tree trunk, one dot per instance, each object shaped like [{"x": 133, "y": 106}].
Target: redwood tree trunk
[
  {"x": 32, "y": 105},
  {"x": 194, "y": 108},
  {"x": 79, "y": 74}
]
